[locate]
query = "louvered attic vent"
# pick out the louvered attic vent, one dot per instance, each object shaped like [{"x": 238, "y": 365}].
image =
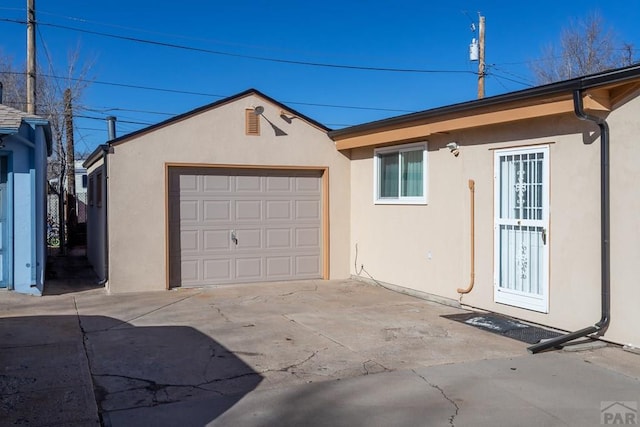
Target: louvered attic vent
[{"x": 252, "y": 122}]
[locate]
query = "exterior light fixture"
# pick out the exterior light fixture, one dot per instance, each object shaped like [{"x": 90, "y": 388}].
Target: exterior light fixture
[{"x": 454, "y": 148}]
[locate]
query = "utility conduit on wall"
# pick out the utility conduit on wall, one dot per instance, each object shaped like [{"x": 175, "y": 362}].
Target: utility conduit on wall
[{"x": 472, "y": 191}]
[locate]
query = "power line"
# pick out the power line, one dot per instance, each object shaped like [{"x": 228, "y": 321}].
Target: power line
[
  {"x": 510, "y": 79},
  {"x": 119, "y": 121},
  {"x": 112, "y": 109},
  {"x": 185, "y": 92},
  {"x": 238, "y": 55},
  {"x": 523, "y": 80}
]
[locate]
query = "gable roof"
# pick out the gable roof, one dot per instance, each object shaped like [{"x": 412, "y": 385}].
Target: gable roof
[
  {"x": 213, "y": 105},
  {"x": 554, "y": 98}
]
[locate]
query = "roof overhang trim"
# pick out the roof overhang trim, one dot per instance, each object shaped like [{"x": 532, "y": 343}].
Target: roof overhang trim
[{"x": 602, "y": 92}]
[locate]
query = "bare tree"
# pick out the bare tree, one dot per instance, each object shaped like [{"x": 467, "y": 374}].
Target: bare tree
[
  {"x": 585, "y": 47},
  {"x": 13, "y": 82},
  {"x": 52, "y": 104}
]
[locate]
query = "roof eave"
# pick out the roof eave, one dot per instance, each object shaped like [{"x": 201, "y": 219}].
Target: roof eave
[
  {"x": 95, "y": 156},
  {"x": 549, "y": 90}
]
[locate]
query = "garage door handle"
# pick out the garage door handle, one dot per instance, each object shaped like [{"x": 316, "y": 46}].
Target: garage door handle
[{"x": 234, "y": 239}]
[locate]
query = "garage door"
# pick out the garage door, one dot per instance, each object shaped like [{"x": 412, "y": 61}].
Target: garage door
[{"x": 237, "y": 225}]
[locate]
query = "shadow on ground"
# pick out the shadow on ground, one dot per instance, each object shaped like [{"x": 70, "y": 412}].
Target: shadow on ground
[
  {"x": 69, "y": 273},
  {"x": 65, "y": 370}
]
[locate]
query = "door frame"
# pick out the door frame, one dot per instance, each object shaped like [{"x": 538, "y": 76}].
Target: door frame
[
  {"x": 324, "y": 198},
  {"x": 528, "y": 301}
]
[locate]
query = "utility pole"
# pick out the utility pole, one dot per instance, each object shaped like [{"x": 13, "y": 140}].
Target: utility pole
[
  {"x": 481, "y": 63},
  {"x": 70, "y": 161},
  {"x": 68, "y": 128},
  {"x": 31, "y": 56}
]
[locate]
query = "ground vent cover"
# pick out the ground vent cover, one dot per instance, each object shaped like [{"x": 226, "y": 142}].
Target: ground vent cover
[{"x": 504, "y": 326}]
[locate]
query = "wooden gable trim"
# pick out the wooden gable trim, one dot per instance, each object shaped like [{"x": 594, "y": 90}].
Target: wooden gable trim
[{"x": 620, "y": 93}]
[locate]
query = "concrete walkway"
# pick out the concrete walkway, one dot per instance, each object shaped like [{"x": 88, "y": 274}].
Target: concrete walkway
[{"x": 312, "y": 353}]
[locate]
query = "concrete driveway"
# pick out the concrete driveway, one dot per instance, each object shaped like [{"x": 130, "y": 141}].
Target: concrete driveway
[{"x": 313, "y": 353}]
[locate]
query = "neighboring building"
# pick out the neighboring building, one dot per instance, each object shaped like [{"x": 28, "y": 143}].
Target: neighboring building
[
  {"x": 82, "y": 182},
  {"x": 25, "y": 144},
  {"x": 76, "y": 233},
  {"x": 495, "y": 202}
]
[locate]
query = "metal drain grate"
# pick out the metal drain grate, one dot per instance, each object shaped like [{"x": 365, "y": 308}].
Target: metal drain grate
[{"x": 504, "y": 326}]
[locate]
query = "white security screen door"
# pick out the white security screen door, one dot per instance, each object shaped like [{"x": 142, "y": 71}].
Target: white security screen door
[{"x": 521, "y": 226}]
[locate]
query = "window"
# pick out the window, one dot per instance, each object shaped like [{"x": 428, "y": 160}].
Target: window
[
  {"x": 99, "y": 190},
  {"x": 84, "y": 180},
  {"x": 90, "y": 191},
  {"x": 400, "y": 174}
]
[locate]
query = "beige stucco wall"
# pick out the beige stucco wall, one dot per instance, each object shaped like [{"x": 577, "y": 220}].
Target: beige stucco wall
[
  {"x": 625, "y": 224},
  {"x": 427, "y": 248},
  {"x": 137, "y": 187}
]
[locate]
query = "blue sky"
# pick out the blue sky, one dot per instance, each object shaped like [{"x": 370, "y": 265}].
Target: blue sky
[{"x": 423, "y": 35}]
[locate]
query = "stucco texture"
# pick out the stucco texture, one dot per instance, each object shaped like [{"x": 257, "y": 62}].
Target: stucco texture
[
  {"x": 427, "y": 247},
  {"x": 137, "y": 189}
]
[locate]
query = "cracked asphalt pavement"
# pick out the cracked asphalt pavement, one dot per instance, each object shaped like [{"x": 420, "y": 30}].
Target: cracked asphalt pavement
[{"x": 313, "y": 353}]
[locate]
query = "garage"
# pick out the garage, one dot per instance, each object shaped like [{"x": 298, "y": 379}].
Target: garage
[{"x": 237, "y": 225}]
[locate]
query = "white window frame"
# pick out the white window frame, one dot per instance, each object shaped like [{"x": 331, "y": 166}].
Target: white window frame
[{"x": 400, "y": 200}]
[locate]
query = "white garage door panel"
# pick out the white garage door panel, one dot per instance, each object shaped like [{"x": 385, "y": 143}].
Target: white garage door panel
[
  {"x": 217, "y": 269},
  {"x": 307, "y": 237},
  {"x": 249, "y": 269},
  {"x": 279, "y": 209},
  {"x": 248, "y": 210},
  {"x": 279, "y": 238},
  {"x": 215, "y": 183},
  {"x": 248, "y": 239},
  {"x": 216, "y": 240},
  {"x": 216, "y": 210},
  {"x": 306, "y": 265},
  {"x": 278, "y": 266},
  {"x": 190, "y": 270},
  {"x": 308, "y": 209},
  {"x": 274, "y": 216}
]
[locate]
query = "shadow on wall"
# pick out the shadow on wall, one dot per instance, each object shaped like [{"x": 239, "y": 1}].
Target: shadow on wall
[{"x": 57, "y": 368}]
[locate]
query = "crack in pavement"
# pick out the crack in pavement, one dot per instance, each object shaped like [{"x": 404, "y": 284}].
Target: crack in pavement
[
  {"x": 315, "y": 289},
  {"x": 298, "y": 364},
  {"x": 155, "y": 386},
  {"x": 366, "y": 370},
  {"x": 455, "y": 405},
  {"x": 85, "y": 338},
  {"x": 157, "y": 309},
  {"x": 219, "y": 310},
  {"x": 315, "y": 331}
]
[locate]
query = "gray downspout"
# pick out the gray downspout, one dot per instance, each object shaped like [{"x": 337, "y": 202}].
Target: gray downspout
[
  {"x": 105, "y": 156},
  {"x": 111, "y": 129},
  {"x": 605, "y": 258}
]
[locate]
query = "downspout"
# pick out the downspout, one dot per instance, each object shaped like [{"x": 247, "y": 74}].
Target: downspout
[
  {"x": 472, "y": 191},
  {"x": 105, "y": 203},
  {"x": 111, "y": 130},
  {"x": 605, "y": 258}
]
